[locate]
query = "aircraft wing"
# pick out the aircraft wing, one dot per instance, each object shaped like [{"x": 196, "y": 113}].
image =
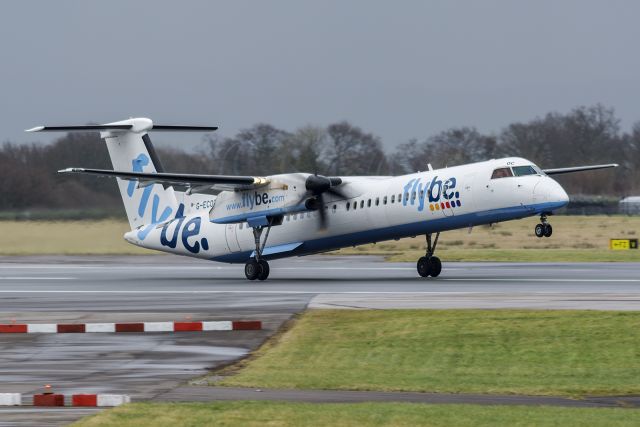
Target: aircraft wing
[
  {"x": 194, "y": 182},
  {"x": 559, "y": 171}
]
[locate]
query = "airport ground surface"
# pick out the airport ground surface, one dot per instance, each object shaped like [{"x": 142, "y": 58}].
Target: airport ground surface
[{"x": 167, "y": 288}]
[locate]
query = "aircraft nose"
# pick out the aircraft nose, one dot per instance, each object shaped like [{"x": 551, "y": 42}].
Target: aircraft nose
[{"x": 556, "y": 193}]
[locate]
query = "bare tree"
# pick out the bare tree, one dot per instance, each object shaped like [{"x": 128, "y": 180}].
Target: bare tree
[{"x": 352, "y": 151}]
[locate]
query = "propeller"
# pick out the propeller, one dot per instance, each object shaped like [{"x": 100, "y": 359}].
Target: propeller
[{"x": 313, "y": 198}]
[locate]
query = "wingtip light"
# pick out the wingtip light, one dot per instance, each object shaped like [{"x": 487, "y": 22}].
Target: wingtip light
[{"x": 35, "y": 129}]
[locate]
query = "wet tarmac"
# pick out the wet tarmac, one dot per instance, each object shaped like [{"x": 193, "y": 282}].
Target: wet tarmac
[{"x": 169, "y": 288}]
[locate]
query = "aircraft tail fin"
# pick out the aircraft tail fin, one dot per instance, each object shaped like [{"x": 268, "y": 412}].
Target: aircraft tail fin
[{"x": 130, "y": 149}]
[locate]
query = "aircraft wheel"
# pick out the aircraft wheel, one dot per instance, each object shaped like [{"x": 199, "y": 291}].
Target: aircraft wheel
[
  {"x": 548, "y": 230},
  {"x": 264, "y": 270},
  {"x": 435, "y": 266},
  {"x": 423, "y": 267},
  {"x": 252, "y": 269},
  {"x": 539, "y": 230}
]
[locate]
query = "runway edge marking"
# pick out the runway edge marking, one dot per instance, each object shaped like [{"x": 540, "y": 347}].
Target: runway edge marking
[{"x": 72, "y": 328}]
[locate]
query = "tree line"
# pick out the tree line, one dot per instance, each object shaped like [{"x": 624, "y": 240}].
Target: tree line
[{"x": 585, "y": 135}]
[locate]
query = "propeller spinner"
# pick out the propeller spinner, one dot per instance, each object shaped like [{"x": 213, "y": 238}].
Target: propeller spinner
[{"x": 316, "y": 186}]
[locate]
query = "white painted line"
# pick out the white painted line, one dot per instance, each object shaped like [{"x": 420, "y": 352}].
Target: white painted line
[
  {"x": 10, "y": 399},
  {"x": 324, "y": 292},
  {"x": 100, "y": 327},
  {"x": 50, "y": 328},
  {"x": 112, "y": 399},
  {"x": 35, "y": 278},
  {"x": 217, "y": 326},
  {"x": 158, "y": 326}
]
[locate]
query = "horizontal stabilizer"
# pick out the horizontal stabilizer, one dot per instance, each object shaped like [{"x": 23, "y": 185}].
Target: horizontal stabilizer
[
  {"x": 86, "y": 128},
  {"x": 188, "y": 180},
  {"x": 172, "y": 128},
  {"x": 147, "y": 125},
  {"x": 559, "y": 171}
]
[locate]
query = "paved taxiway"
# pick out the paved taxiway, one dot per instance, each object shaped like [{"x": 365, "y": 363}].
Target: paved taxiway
[{"x": 164, "y": 288}]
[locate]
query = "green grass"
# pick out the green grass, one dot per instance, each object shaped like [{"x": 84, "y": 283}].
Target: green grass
[
  {"x": 369, "y": 414},
  {"x": 103, "y": 237},
  {"x": 575, "y": 239},
  {"x": 478, "y": 351}
]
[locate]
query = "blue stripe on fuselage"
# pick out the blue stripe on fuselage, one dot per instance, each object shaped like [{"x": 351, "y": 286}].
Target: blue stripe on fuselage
[{"x": 404, "y": 230}]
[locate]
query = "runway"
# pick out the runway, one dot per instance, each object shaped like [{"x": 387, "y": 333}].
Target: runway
[
  {"x": 169, "y": 288},
  {"x": 177, "y": 284}
]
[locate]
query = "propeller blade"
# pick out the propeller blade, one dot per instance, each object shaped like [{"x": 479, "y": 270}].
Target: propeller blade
[{"x": 324, "y": 221}]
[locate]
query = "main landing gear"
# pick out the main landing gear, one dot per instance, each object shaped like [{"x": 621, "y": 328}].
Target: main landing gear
[
  {"x": 543, "y": 229},
  {"x": 258, "y": 268},
  {"x": 430, "y": 265}
]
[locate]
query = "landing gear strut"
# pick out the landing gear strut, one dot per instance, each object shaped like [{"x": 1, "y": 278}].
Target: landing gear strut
[
  {"x": 430, "y": 265},
  {"x": 258, "y": 268},
  {"x": 543, "y": 229}
]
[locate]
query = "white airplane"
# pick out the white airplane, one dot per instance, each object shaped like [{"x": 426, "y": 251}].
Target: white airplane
[{"x": 247, "y": 219}]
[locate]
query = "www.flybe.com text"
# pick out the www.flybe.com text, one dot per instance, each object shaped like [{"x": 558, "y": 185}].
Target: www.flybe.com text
[{"x": 256, "y": 199}]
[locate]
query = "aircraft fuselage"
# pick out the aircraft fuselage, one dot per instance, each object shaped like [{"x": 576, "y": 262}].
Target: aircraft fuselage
[{"x": 376, "y": 209}]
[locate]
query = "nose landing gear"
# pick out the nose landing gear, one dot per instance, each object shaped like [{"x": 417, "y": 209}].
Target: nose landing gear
[
  {"x": 430, "y": 265},
  {"x": 543, "y": 229}
]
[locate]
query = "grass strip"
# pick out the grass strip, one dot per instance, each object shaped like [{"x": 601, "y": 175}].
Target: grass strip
[
  {"x": 568, "y": 353},
  {"x": 360, "y": 414}
]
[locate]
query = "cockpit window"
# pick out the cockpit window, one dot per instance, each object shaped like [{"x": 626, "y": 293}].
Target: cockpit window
[
  {"x": 524, "y": 170},
  {"x": 501, "y": 173}
]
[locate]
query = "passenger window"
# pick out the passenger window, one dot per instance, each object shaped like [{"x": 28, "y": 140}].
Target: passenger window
[
  {"x": 384, "y": 200},
  {"x": 413, "y": 196},
  {"x": 524, "y": 170},
  {"x": 361, "y": 204},
  {"x": 348, "y": 204},
  {"x": 295, "y": 216},
  {"x": 501, "y": 173},
  {"x": 399, "y": 198},
  {"x": 335, "y": 207},
  {"x": 422, "y": 194},
  {"x": 377, "y": 201},
  {"x": 393, "y": 198},
  {"x": 240, "y": 226},
  {"x": 355, "y": 205},
  {"x": 369, "y": 203}
]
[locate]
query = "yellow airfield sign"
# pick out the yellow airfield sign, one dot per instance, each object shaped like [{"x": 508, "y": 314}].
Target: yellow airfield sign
[{"x": 623, "y": 244}]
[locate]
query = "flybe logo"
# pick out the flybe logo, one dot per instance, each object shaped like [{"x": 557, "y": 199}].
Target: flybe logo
[
  {"x": 187, "y": 233},
  {"x": 436, "y": 193},
  {"x": 138, "y": 165}
]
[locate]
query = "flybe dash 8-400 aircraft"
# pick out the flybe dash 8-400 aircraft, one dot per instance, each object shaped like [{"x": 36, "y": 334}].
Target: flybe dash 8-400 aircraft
[{"x": 250, "y": 219}]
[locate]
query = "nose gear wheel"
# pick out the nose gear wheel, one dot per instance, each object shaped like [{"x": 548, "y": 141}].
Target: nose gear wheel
[{"x": 543, "y": 229}]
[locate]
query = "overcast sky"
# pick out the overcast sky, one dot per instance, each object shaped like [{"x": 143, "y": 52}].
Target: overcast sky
[{"x": 399, "y": 69}]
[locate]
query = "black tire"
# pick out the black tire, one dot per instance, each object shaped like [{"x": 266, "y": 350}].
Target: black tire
[
  {"x": 548, "y": 230},
  {"x": 264, "y": 270},
  {"x": 539, "y": 230},
  {"x": 423, "y": 267},
  {"x": 252, "y": 269},
  {"x": 435, "y": 266}
]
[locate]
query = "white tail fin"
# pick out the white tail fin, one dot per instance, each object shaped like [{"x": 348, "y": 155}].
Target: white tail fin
[{"x": 130, "y": 149}]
